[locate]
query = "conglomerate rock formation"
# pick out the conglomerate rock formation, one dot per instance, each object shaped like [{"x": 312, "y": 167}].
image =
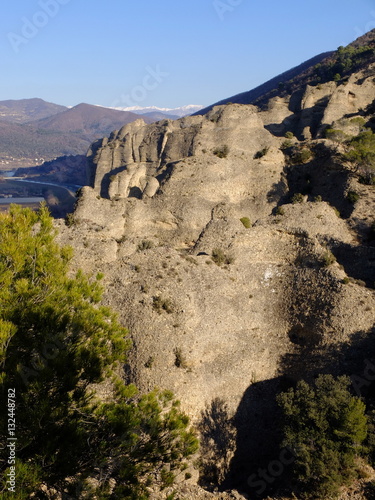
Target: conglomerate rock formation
[{"x": 228, "y": 288}]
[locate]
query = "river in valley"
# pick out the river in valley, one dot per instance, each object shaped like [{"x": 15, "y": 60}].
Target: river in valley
[{"x": 60, "y": 199}]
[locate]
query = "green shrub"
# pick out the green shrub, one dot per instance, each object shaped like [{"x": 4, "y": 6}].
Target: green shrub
[
  {"x": 358, "y": 120},
  {"x": 367, "y": 178},
  {"x": 361, "y": 155},
  {"x": 286, "y": 144},
  {"x": 297, "y": 198},
  {"x": 161, "y": 304},
  {"x": 220, "y": 258},
  {"x": 328, "y": 259},
  {"x": 302, "y": 156},
  {"x": 261, "y": 153},
  {"x": 289, "y": 135},
  {"x": 145, "y": 245},
  {"x": 326, "y": 427},
  {"x": 28, "y": 480},
  {"x": 352, "y": 197},
  {"x": 167, "y": 478},
  {"x": 246, "y": 222},
  {"x": 335, "y": 135},
  {"x": 180, "y": 361},
  {"x": 318, "y": 198},
  {"x": 280, "y": 211},
  {"x": 70, "y": 220},
  {"x": 221, "y": 152}
]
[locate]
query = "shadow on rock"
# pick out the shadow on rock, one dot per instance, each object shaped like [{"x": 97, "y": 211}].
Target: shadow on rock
[
  {"x": 218, "y": 440},
  {"x": 258, "y": 435},
  {"x": 260, "y": 467},
  {"x": 358, "y": 261}
]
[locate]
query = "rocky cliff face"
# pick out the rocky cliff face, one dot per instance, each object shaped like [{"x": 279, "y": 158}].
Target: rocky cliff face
[
  {"x": 310, "y": 110},
  {"x": 226, "y": 286}
]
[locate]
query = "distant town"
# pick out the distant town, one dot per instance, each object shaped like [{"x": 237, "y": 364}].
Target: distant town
[{"x": 11, "y": 163}]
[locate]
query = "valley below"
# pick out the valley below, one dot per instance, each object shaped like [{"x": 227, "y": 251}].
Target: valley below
[{"x": 30, "y": 192}]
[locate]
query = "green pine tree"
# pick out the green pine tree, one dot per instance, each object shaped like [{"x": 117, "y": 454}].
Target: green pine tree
[
  {"x": 326, "y": 427},
  {"x": 56, "y": 341}
]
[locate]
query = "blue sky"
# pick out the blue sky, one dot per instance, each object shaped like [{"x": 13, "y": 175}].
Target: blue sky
[{"x": 166, "y": 53}]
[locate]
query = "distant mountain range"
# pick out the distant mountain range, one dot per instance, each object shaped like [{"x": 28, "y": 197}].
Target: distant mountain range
[
  {"x": 33, "y": 128},
  {"x": 36, "y": 129},
  {"x": 87, "y": 121},
  {"x": 170, "y": 112},
  {"x": 63, "y": 132}
]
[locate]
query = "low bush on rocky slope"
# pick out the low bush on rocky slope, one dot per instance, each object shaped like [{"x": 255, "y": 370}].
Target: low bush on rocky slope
[
  {"x": 222, "y": 151},
  {"x": 246, "y": 222},
  {"x": 262, "y": 152},
  {"x": 360, "y": 156},
  {"x": 220, "y": 258}
]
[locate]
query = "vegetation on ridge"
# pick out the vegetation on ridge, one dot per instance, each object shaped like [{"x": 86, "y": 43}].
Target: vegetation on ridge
[{"x": 335, "y": 67}]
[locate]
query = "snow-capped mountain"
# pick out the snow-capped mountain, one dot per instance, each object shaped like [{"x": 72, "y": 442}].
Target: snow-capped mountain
[{"x": 180, "y": 112}]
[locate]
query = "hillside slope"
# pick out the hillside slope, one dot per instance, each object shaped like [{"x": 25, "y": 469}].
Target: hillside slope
[
  {"x": 24, "y": 141},
  {"x": 88, "y": 121},
  {"x": 239, "y": 262},
  {"x": 250, "y": 96},
  {"x": 68, "y": 132},
  {"x": 320, "y": 69},
  {"x": 27, "y": 110}
]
